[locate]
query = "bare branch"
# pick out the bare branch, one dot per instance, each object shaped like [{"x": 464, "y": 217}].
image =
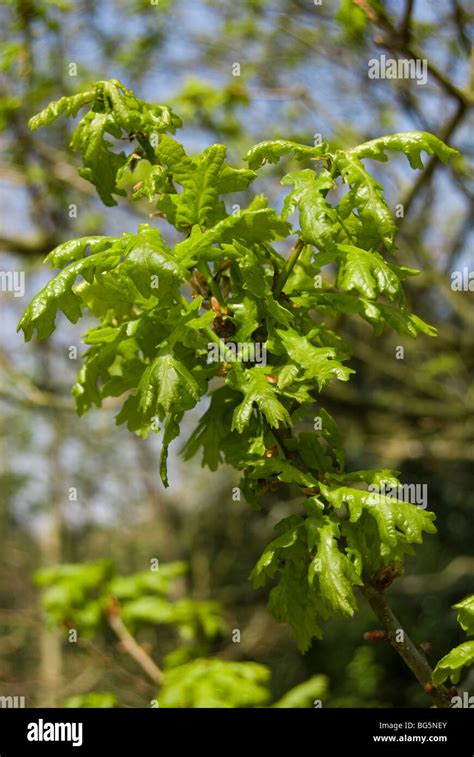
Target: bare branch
[
  {"x": 132, "y": 647},
  {"x": 407, "y": 650}
]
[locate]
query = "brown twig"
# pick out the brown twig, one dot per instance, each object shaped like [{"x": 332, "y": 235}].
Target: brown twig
[
  {"x": 405, "y": 26},
  {"x": 396, "y": 42},
  {"x": 132, "y": 647},
  {"x": 407, "y": 650}
]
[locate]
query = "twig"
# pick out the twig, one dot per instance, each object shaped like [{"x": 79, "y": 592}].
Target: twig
[
  {"x": 397, "y": 43},
  {"x": 405, "y": 26},
  {"x": 460, "y": 18},
  {"x": 23, "y": 246},
  {"x": 204, "y": 268},
  {"x": 132, "y": 647},
  {"x": 407, "y": 650},
  {"x": 110, "y": 661}
]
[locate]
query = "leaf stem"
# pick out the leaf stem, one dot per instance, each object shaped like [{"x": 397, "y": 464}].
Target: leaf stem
[
  {"x": 146, "y": 146},
  {"x": 345, "y": 228},
  {"x": 288, "y": 267},
  {"x": 204, "y": 268}
]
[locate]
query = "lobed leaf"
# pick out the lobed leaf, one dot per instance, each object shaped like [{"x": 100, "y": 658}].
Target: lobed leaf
[
  {"x": 451, "y": 665},
  {"x": 366, "y": 197},
  {"x": 272, "y": 150},
  {"x": 67, "y": 105},
  {"x": 411, "y": 143},
  {"x": 318, "y": 220},
  {"x": 465, "y": 614},
  {"x": 395, "y": 519}
]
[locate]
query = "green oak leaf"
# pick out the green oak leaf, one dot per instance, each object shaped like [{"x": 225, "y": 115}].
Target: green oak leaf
[
  {"x": 367, "y": 273},
  {"x": 451, "y": 665},
  {"x": 333, "y": 571},
  {"x": 272, "y": 150},
  {"x": 366, "y": 197},
  {"x": 411, "y": 143},
  {"x": 395, "y": 519},
  {"x": 465, "y": 614},
  {"x": 318, "y": 220},
  {"x": 259, "y": 393}
]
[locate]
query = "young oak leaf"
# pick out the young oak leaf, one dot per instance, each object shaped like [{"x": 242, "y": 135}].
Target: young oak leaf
[
  {"x": 268, "y": 563},
  {"x": 111, "y": 366},
  {"x": 318, "y": 220},
  {"x": 272, "y": 150},
  {"x": 258, "y": 392},
  {"x": 451, "y": 665},
  {"x": 257, "y": 277},
  {"x": 330, "y": 432},
  {"x": 58, "y": 294},
  {"x": 129, "y": 113},
  {"x": 67, "y": 105},
  {"x": 283, "y": 470},
  {"x": 171, "y": 432},
  {"x": 304, "y": 595},
  {"x": 378, "y": 314},
  {"x": 317, "y": 363},
  {"x": 150, "y": 263},
  {"x": 212, "y": 429},
  {"x": 137, "y": 258},
  {"x": 203, "y": 178},
  {"x": 465, "y": 616},
  {"x": 100, "y": 165},
  {"x": 411, "y": 143},
  {"x": 167, "y": 385},
  {"x": 367, "y": 273},
  {"x": 117, "y": 112},
  {"x": 363, "y": 545},
  {"x": 293, "y": 601},
  {"x": 315, "y": 455},
  {"x": 332, "y": 569},
  {"x": 366, "y": 197},
  {"x": 248, "y": 226},
  {"x": 395, "y": 519},
  {"x": 75, "y": 249}
]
